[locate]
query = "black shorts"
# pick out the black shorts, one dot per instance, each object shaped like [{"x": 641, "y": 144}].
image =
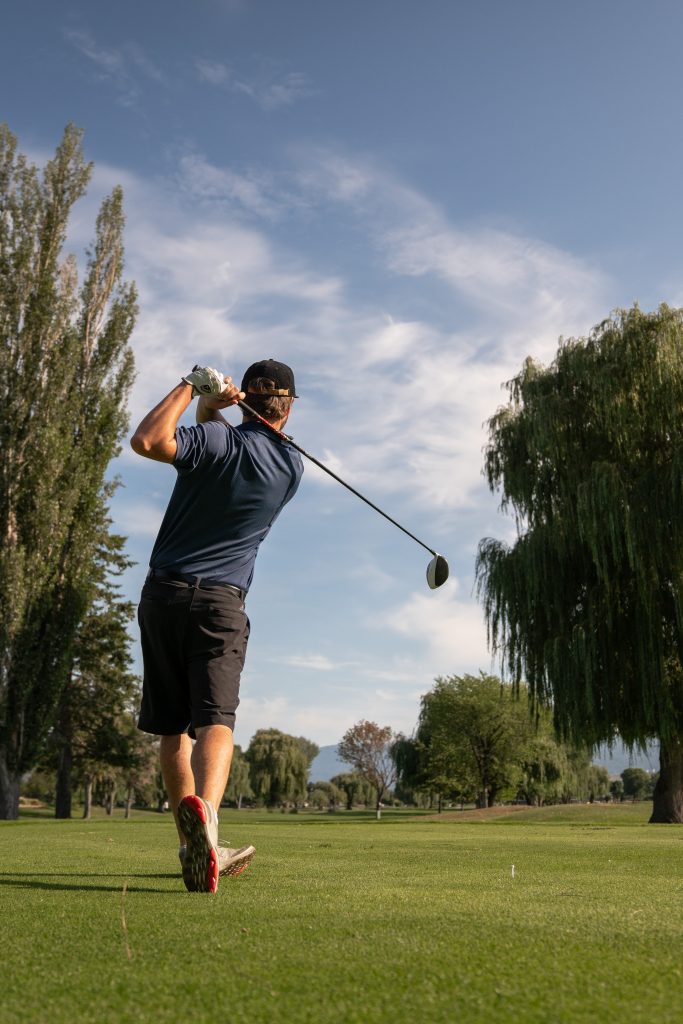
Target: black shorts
[{"x": 194, "y": 641}]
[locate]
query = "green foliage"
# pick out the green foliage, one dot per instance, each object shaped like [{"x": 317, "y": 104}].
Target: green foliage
[
  {"x": 356, "y": 789},
  {"x": 309, "y": 748},
  {"x": 587, "y": 604},
  {"x": 65, "y": 372},
  {"x": 239, "y": 784},
  {"x": 475, "y": 740},
  {"x": 472, "y": 731},
  {"x": 325, "y": 796},
  {"x": 91, "y": 736},
  {"x": 544, "y": 768},
  {"x": 637, "y": 783},
  {"x": 279, "y": 766},
  {"x": 40, "y": 785},
  {"x": 616, "y": 788}
]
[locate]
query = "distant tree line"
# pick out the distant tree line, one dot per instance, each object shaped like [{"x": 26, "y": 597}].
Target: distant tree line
[{"x": 476, "y": 742}]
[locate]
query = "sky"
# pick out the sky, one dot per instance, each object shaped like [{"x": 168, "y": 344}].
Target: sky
[{"x": 403, "y": 200}]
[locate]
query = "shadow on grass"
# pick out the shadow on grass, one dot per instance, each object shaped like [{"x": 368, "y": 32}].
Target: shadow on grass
[{"x": 22, "y": 880}]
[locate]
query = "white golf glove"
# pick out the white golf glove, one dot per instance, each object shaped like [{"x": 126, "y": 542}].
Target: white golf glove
[{"x": 205, "y": 381}]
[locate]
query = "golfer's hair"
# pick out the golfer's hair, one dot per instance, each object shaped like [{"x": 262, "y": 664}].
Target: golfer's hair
[{"x": 271, "y": 407}]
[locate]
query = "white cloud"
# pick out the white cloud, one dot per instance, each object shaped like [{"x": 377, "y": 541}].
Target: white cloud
[
  {"x": 119, "y": 66},
  {"x": 414, "y": 418},
  {"x": 282, "y": 91},
  {"x": 269, "y": 87},
  {"x": 451, "y": 630},
  {"x": 206, "y": 182},
  {"x": 207, "y": 284},
  {"x": 314, "y": 662},
  {"x": 213, "y": 71},
  {"x": 395, "y": 406}
]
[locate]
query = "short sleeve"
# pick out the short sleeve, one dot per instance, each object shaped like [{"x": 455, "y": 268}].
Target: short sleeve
[{"x": 201, "y": 445}]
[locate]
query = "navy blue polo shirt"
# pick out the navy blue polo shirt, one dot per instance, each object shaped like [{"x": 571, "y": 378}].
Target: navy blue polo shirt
[{"x": 232, "y": 484}]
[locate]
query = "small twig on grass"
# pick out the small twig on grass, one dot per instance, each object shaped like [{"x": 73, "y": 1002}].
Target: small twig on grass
[{"x": 124, "y": 926}]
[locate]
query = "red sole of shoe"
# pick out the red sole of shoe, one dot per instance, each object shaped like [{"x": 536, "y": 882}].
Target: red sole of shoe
[
  {"x": 212, "y": 879},
  {"x": 197, "y": 806}
]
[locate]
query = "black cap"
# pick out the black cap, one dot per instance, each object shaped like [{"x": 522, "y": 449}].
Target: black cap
[{"x": 281, "y": 374}]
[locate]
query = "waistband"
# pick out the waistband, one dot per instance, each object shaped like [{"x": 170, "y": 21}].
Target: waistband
[{"x": 194, "y": 581}]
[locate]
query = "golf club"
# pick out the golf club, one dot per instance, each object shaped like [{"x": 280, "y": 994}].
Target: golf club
[{"x": 437, "y": 570}]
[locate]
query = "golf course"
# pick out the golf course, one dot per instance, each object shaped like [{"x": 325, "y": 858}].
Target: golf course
[
  {"x": 559, "y": 914},
  {"x": 341, "y": 477}
]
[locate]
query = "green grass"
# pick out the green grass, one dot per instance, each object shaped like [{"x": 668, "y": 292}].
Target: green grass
[{"x": 343, "y": 919}]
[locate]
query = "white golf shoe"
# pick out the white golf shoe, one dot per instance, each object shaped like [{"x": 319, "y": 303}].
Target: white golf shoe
[
  {"x": 199, "y": 823},
  {"x": 204, "y": 860}
]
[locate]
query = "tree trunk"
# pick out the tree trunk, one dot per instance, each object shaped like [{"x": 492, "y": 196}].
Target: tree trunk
[
  {"x": 111, "y": 800},
  {"x": 667, "y": 799},
  {"x": 64, "y": 736},
  {"x": 63, "y": 792},
  {"x": 87, "y": 796},
  {"x": 129, "y": 801},
  {"x": 239, "y": 802},
  {"x": 9, "y": 791}
]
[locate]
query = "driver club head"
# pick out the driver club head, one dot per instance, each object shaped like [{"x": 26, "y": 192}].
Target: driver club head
[{"x": 437, "y": 572}]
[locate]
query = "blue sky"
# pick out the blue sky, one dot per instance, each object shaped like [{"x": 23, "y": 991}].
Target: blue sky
[{"x": 403, "y": 200}]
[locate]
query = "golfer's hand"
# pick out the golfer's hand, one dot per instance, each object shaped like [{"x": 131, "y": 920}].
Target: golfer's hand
[{"x": 230, "y": 395}]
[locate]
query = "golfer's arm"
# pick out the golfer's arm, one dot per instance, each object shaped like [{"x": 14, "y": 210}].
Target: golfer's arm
[
  {"x": 155, "y": 436},
  {"x": 205, "y": 415}
]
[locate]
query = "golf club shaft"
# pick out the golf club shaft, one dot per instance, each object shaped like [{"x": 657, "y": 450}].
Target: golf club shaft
[{"x": 326, "y": 469}]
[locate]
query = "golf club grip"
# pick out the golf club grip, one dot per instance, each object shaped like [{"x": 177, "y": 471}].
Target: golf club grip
[{"x": 326, "y": 469}]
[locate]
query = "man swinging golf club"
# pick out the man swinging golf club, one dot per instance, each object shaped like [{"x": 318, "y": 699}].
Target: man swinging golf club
[{"x": 232, "y": 483}]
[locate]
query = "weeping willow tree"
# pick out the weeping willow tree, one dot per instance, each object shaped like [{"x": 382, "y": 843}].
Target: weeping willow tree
[
  {"x": 587, "y": 604},
  {"x": 279, "y": 766}
]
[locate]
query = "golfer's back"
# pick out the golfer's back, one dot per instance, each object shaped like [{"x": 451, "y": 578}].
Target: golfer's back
[{"x": 232, "y": 484}]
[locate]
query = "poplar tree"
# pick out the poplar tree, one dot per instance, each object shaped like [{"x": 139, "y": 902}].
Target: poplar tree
[
  {"x": 65, "y": 373},
  {"x": 587, "y": 604},
  {"x": 102, "y": 688}
]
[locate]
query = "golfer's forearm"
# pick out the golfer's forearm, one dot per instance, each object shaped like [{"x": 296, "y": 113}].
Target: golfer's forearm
[
  {"x": 155, "y": 436},
  {"x": 204, "y": 415}
]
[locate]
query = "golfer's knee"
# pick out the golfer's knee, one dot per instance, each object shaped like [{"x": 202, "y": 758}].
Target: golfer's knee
[{"x": 213, "y": 734}]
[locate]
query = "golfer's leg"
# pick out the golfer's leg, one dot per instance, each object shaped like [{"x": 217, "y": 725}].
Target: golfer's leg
[
  {"x": 211, "y": 759},
  {"x": 175, "y": 755}
]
